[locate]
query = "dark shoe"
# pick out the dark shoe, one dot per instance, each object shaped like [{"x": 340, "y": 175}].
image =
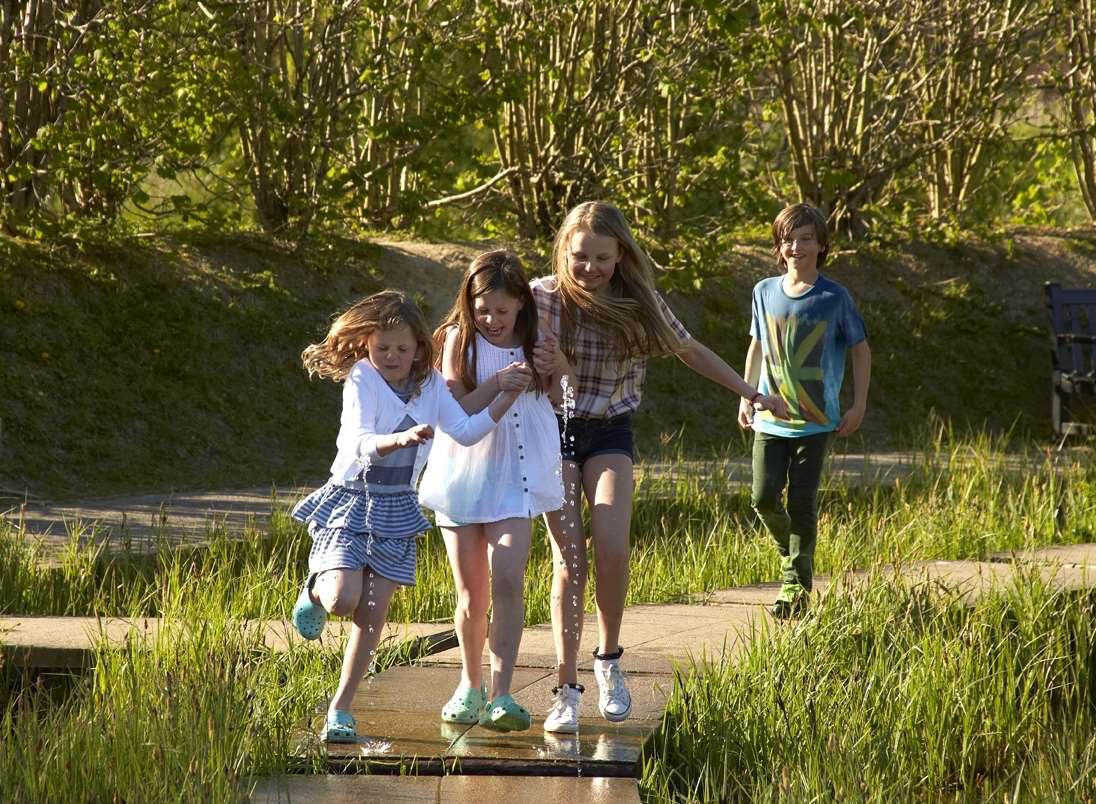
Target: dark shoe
[{"x": 791, "y": 602}]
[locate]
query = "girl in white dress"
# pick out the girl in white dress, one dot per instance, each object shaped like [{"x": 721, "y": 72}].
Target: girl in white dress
[{"x": 486, "y": 494}]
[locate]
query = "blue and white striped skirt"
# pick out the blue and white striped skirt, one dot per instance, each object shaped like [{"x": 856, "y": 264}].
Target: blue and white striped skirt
[
  {"x": 391, "y": 557},
  {"x": 356, "y": 527}
]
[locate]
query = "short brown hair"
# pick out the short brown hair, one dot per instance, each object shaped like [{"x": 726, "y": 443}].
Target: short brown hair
[{"x": 793, "y": 217}]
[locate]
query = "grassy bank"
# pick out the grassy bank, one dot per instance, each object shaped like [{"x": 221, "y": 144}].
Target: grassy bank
[
  {"x": 965, "y": 500},
  {"x": 164, "y": 363}
]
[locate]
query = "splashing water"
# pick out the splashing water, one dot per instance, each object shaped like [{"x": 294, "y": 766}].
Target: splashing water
[
  {"x": 374, "y": 747},
  {"x": 570, "y": 520}
]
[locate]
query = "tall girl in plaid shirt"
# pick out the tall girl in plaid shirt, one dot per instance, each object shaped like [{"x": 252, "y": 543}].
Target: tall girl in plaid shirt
[{"x": 603, "y": 318}]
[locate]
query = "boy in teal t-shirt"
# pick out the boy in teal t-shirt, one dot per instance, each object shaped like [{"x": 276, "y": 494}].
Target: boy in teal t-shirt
[{"x": 802, "y": 325}]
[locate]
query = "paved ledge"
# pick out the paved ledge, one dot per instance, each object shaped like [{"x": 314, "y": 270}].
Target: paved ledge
[
  {"x": 445, "y": 790},
  {"x": 69, "y": 642},
  {"x": 1067, "y": 555}
]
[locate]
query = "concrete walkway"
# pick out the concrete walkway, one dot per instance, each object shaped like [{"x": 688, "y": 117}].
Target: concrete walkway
[
  {"x": 398, "y": 709},
  {"x": 68, "y": 643},
  {"x": 142, "y": 522}
]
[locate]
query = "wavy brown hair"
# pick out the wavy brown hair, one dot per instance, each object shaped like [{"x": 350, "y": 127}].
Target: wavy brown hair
[
  {"x": 494, "y": 270},
  {"x": 628, "y": 315},
  {"x": 347, "y": 340}
]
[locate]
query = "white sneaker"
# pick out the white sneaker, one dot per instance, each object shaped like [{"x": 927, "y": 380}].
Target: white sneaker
[
  {"x": 614, "y": 700},
  {"x": 563, "y": 716}
]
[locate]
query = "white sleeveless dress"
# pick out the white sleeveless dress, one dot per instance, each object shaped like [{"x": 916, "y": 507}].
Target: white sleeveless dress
[{"x": 513, "y": 471}]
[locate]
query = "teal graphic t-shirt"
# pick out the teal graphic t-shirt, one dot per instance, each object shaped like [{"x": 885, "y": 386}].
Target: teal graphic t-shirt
[{"x": 804, "y": 340}]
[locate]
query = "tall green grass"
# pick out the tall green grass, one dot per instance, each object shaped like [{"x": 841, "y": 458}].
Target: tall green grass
[
  {"x": 925, "y": 699},
  {"x": 963, "y": 499},
  {"x": 186, "y": 717},
  {"x": 893, "y": 695}
]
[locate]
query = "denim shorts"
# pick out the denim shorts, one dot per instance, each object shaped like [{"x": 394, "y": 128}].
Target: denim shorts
[{"x": 584, "y": 438}]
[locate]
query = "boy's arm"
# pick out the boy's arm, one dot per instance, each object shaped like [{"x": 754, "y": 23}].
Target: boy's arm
[
  {"x": 752, "y": 376},
  {"x": 861, "y": 377}
]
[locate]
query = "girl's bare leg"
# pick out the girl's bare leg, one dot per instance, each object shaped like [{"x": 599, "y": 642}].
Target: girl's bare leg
[
  {"x": 508, "y": 552},
  {"x": 365, "y": 633},
  {"x": 608, "y": 483},
  {"x": 569, "y": 568},
  {"x": 467, "y": 550},
  {"x": 338, "y": 590}
]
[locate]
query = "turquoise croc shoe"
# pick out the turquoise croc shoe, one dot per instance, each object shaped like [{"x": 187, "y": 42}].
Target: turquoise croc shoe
[
  {"x": 308, "y": 617},
  {"x": 505, "y": 714},
  {"x": 340, "y": 727},
  {"x": 465, "y": 706}
]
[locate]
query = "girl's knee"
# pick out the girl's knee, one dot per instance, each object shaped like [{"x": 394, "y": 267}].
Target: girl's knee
[
  {"x": 571, "y": 568},
  {"x": 471, "y": 605},
  {"x": 340, "y": 599},
  {"x": 507, "y": 590}
]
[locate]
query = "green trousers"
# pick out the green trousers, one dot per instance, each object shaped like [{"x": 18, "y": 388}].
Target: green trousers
[{"x": 795, "y": 462}]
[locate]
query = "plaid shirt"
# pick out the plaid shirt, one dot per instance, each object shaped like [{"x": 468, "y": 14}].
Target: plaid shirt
[{"x": 604, "y": 387}]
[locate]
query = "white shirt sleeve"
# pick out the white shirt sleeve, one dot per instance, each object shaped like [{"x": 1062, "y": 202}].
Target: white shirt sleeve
[
  {"x": 461, "y": 427},
  {"x": 358, "y": 415}
]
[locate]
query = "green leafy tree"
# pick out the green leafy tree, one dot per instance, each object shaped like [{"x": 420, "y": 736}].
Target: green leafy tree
[
  {"x": 98, "y": 94},
  {"x": 872, "y": 89},
  {"x": 1077, "y": 82}
]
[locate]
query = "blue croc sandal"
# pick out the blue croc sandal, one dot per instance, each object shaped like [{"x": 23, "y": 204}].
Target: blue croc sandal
[
  {"x": 465, "y": 706},
  {"x": 308, "y": 617},
  {"x": 340, "y": 728},
  {"x": 505, "y": 714}
]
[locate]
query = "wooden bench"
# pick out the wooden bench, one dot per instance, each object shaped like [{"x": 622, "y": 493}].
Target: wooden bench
[{"x": 1073, "y": 354}]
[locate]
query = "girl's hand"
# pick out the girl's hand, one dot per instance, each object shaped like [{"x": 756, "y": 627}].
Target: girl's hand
[
  {"x": 547, "y": 356},
  {"x": 774, "y": 404},
  {"x": 745, "y": 413},
  {"x": 515, "y": 377},
  {"x": 419, "y": 434}
]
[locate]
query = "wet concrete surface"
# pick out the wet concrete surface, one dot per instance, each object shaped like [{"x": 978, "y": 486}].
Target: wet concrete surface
[
  {"x": 399, "y": 719},
  {"x": 442, "y": 790}
]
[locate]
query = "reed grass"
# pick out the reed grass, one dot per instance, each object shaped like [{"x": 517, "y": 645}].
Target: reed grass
[{"x": 894, "y": 696}]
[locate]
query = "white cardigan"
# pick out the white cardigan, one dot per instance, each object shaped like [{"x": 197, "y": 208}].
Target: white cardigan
[{"x": 371, "y": 409}]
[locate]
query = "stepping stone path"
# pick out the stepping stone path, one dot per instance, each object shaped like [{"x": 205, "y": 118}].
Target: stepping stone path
[
  {"x": 68, "y": 643},
  {"x": 398, "y": 709}
]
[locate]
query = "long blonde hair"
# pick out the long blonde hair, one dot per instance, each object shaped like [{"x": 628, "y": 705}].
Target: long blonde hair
[
  {"x": 493, "y": 270},
  {"x": 629, "y": 315},
  {"x": 347, "y": 340}
]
